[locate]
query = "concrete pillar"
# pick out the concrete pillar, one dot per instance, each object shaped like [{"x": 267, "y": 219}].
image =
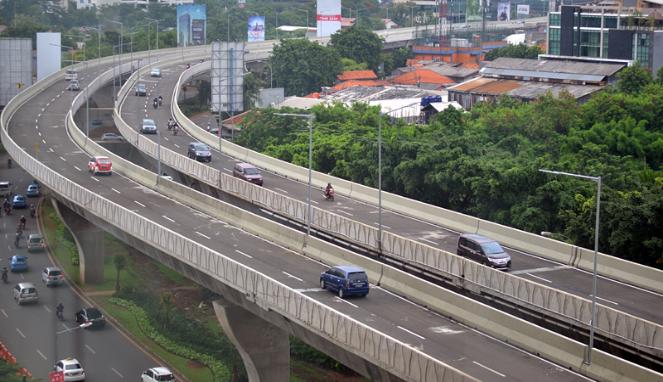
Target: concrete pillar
[
  {"x": 89, "y": 242},
  {"x": 265, "y": 348}
]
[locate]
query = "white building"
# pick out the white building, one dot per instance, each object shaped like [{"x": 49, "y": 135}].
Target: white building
[{"x": 101, "y": 3}]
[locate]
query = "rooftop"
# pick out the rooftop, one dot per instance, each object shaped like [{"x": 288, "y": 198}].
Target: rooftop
[
  {"x": 420, "y": 76},
  {"x": 521, "y": 89},
  {"x": 550, "y": 69},
  {"x": 357, "y": 75}
]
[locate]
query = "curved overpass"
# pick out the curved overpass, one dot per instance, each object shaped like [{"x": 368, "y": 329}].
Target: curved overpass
[{"x": 215, "y": 254}]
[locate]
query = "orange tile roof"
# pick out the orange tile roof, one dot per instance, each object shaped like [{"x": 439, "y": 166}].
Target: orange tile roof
[
  {"x": 425, "y": 76},
  {"x": 352, "y": 83},
  {"x": 357, "y": 75},
  {"x": 236, "y": 119},
  {"x": 313, "y": 95},
  {"x": 471, "y": 84},
  {"x": 484, "y": 85}
]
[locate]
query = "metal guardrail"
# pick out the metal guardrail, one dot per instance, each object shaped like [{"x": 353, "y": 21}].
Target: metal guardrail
[
  {"x": 266, "y": 292},
  {"x": 622, "y": 327}
]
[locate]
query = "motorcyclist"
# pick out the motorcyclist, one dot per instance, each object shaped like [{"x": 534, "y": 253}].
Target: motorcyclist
[
  {"x": 17, "y": 239},
  {"x": 59, "y": 309},
  {"x": 4, "y": 275},
  {"x": 160, "y": 99},
  {"x": 155, "y": 103},
  {"x": 33, "y": 211},
  {"x": 170, "y": 123},
  {"x": 329, "y": 191},
  {"x": 22, "y": 222},
  {"x": 175, "y": 128}
]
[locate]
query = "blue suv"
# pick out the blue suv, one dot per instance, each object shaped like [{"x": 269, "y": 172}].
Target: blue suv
[{"x": 347, "y": 280}]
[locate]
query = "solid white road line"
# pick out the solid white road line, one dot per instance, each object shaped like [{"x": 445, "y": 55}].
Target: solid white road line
[
  {"x": 489, "y": 369},
  {"x": 117, "y": 372},
  {"x": 167, "y": 218},
  {"x": 41, "y": 355},
  {"x": 90, "y": 349},
  {"x": 20, "y": 332},
  {"x": 139, "y": 203},
  {"x": 243, "y": 254},
  {"x": 292, "y": 276},
  {"x": 203, "y": 235},
  {"x": 540, "y": 278},
  {"x": 411, "y": 332}
]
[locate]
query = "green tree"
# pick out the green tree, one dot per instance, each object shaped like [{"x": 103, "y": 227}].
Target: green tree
[
  {"x": 252, "y": 85},
  {"x": 120, "y": 263},
  {"x": 350, "y": 64},
  {"x": 514, "y": 51},
  {"x": 659, "y": 75},
  {"x": 302, "y": 66},
  {"x": 8, "y": 372},
  {"x": 359, "y": 44},
  {"x": 633, "y": 79}
]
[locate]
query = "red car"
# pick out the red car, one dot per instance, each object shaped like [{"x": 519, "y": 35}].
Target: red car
[{"x": 100, "y": 165}]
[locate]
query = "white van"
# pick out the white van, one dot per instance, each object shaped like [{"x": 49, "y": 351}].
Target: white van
[
  {"x": 5, "y": 188},
  {"x": 70, "y": 74}
]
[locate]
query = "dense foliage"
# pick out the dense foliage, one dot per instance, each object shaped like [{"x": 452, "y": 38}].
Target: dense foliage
[
  {"x": 359, "y": 44},
  {"x": 514, "y": 51},
  {"x": 485, "y": 162}
]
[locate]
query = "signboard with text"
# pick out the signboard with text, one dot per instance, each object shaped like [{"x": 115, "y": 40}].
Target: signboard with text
[
  {"x": 191, "y": 24},
  {"x": 328, "y": 17},
  {"x": 522, "y": 9}
]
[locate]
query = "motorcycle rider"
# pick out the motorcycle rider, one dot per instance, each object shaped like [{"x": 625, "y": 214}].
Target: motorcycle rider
[
  {"x": 4, "y": 275},
  {"x": 160, "y": 99},
  {"x": 59, "y": 309},
  {"x": 175, "y": 128},
  {"x": 170, "y": 123},
  {"x": 329, "y": 191},
  {"x": 33, "y": 211},
  {"x": 155, "y": 102},
  {"x": 22, "y": 222}
]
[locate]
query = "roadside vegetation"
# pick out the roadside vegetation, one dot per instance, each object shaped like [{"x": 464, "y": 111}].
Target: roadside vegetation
[
  {"x": 485, "y": 163},
  {"x": 170, "y": 315}
]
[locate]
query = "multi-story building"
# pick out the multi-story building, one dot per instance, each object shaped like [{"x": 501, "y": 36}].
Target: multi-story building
[
  {"x": 100, "y": 3},
  {"x": 604, "y": 32}
]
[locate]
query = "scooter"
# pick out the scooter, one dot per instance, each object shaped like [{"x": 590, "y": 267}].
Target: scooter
[
  {"x": 329, "y": 196},
  {"x": 155, "y": 103}
]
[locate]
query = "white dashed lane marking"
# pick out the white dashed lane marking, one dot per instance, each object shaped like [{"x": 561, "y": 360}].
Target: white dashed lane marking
[
  {"x": 167, "y": 218},
  {"x": 203, "y": 235},
  {"x": 489, "y": 369},
  {"x": 139, "y": 203},
  {"x": 243, "y": 254},
  {"x": 292, "y": 276},
  {"x": 411, "y": 332}
]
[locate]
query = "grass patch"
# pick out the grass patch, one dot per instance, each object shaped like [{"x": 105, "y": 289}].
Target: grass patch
[{"x": 128, "y": 321}]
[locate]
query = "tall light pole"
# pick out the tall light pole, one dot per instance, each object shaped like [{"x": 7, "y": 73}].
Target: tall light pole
[
  {"x": 121, "y": 33},
  {"x": 310, "y": 118},
  {"x": 597, "y": 179},
  {"x": 154, "y": 21}
]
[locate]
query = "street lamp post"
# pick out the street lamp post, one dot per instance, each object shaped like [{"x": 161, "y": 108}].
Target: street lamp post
[
  {"x": 310, "y": 118},
  {"x": 121, "y": 33},
  {"x": 597, "y": 179},
  {"x": 154, "y": 21}
]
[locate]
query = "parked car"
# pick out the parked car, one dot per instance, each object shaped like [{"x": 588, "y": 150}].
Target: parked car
[
  {"x": 71, "y": 368},
  {"x": 247, "y": 172},
  {"x": 18, "y": 263},
  {"x": 100, "y": 165},
  {"x": 140, "y": 90},
  {"x": 90, "y": 318},
  {"x": 36, "y": 242},
  {"x": 111, "y": 137},
  {"x": 74, "y": 86},
  {"x": 19, "y": 202},
  {"x": 70, "y": 74},
  {"x": 157, "y": 374},
  {"x": 52, "y": 276},
  {"x": 148, "y": 126},
  {"x": 25, "y": 292},
  {"x": 32, "y": 191},
  {"x": 199, "y": 151},
  {"x": 155, "y": 72},
  {"x": 346, "y": 280},
  {"x": 483, "y": 250}
]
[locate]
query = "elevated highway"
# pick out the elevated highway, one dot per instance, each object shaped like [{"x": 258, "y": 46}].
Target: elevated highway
[{"x": 381, "y": 336}]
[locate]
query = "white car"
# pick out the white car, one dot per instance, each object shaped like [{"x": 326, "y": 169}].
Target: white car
[
  {"x": 72, "y": 369},
  {"x": 157, "y": 374},
  {"x": 155, "y": 72}
]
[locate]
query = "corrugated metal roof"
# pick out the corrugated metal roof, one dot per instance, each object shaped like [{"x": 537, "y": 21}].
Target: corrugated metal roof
[
  {"x": 554, "y": 66},
  {"x": 468, "y": 86},
  {"x": 542, "y": 74},
  {"x": 497, "y": 87},
  {"x": 522, "y": 89}
]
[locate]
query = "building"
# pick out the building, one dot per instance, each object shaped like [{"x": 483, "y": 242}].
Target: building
[
  {"x": 608, "y": 33},
  {"x": 528, "y": 80},
  {"x": 102, "y": 3}
]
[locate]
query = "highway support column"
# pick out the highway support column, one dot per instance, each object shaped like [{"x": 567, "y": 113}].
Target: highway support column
[{"x": 265, "y": 348}]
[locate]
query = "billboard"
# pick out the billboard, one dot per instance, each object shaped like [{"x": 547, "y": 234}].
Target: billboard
[
  {"x": 328, "y": 17},
  {"x": 256, "y": 28},
  {"x": 191, "y": 24},
  {"x": 228, "y": 77},
  {"x": 522, "y": 9},
  {"x": 503, "y": 11},
  {"x": 49, "y": 55},
  {"x": 15, "y": 67}
]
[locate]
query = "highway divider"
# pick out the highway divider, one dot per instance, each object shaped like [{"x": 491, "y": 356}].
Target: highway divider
[{"x": 609, "y": 266}]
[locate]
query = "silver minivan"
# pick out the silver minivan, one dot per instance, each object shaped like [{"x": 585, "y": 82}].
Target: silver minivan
[
  {"x": 5, "y": 188},
  {"x": 25, "y": 292}
]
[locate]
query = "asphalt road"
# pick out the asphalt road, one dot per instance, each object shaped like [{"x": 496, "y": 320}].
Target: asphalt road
[
  {"x": 617, "y": 295},
  {"x": 481, "y": 356},
  {"x": 33, "y": 333}
]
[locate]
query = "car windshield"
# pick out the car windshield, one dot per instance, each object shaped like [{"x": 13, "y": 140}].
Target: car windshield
[
  {"x": 201, "y": 147},
  {"x": 251, "y": 171},
  {"x": 93, "y": 313},
  {"x": 72, "y": 366},
  {"x": 54, "y": 273},
  {"x": 19, "y": 260},
  {"x": 357, "y": 276},
  {"x": 165, "y": 378},
  {"x": 103, "y": 161},
  {"x": 35, "y": 239},
  {"x": 492, "y": 249}
]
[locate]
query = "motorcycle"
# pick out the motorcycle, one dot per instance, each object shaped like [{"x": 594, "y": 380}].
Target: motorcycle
[
  {"x": 4, "y": 276},
  {"x": 33, "y": 212},
  {"x": 160, "y": 100},
  {"x": 155, "y": 103},
  {"x": 329, "y": 195}
]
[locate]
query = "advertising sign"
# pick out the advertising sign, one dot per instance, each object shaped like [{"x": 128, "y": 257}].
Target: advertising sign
[
  {"x": 191, "y": 24},
  {"x": 522, "y": 9},
  {"x": 328, "y": 17},
  {"x": 49, "y": 54},
  {"x": 256, "y": 28},
  {"x": 56, "y": 376},
  {"x": 503, "y": 11}
]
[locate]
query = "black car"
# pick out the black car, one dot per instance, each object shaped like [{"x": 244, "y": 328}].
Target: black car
[
  {"x": 199, "y": 151},
  {"x": 90, "y": 317}
]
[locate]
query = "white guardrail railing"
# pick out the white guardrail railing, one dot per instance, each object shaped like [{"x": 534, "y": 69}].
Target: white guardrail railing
[
  {"x": 620, "y": 326},
  {"x": 513, "y": 330},
  {"x": 399, "y": 358}
]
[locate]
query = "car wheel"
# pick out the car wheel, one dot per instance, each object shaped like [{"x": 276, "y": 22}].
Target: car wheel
[
  {"x": 341, "y": 293},
  {"x": 323, "y": 285}
]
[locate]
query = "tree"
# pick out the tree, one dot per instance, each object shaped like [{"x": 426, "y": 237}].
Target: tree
[
  {"x": 302, "y": 66},
  {"x": 8, "y": 372},
  {"x": 252, "y": 85},
  {"x": 633, "y": 79},
  {"x": 120, "y": 264},
  {"x": 514, "y": 51},
  {"x": 659, "y": 75},
  {"x": 358, "y": 43}
]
